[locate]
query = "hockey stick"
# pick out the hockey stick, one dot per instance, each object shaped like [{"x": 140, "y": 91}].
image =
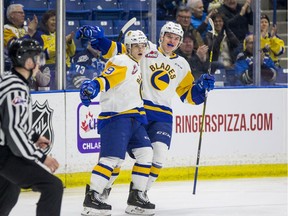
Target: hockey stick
[
  {"x": 203, "y": 112},
  {"x": 125, "y": 27},
  {"x": 274, "y": 12}
]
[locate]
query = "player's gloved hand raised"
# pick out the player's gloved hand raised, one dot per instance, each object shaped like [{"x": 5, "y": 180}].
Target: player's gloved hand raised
[
  {"x": 205, "y": 81},
  {"x": 90, "y": 32},
  {"x": 89, "y": 90}
]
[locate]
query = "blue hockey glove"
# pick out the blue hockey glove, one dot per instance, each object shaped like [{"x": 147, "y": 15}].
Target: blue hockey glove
[
  {"x": 88, "y": 91},
  {"x": 205, "y": 81},
  {"x": 90, "y": 32}
]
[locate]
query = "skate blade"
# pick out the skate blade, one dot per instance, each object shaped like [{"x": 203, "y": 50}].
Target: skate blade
[
  {"x": 135, "y": 210},
  {"x": 95, "y": 212}
]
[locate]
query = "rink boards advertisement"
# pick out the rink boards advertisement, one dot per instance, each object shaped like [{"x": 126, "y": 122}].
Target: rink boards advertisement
[{"x": 242, "y": 126}]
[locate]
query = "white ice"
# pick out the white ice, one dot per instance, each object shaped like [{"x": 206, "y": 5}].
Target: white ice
[{"x": 237, "y": 197}]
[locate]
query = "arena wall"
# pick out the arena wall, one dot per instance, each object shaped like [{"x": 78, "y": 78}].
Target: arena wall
[{"x": 245, "y": 135}]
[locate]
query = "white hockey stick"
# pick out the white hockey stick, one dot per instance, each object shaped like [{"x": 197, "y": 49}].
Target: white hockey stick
[
  {"x": 125, "y": 27},
  {"x": 204, "y": 110}
]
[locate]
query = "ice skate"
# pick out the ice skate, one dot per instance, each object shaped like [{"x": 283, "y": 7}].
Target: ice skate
[
  {"x": 105, "y": 194},
  {"x": 93, "y": 205},
  {"x": 139, "y": 204}
]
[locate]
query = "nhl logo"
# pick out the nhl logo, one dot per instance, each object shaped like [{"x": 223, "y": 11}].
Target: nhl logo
[{"x": 42, "y": 122}]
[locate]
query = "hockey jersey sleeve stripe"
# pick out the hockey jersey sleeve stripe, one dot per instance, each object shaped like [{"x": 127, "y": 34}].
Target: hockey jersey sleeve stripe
[
  {"x": 111, "y": 51},
  {"x": 111, "y": 48},
  {"x": 114, "y": 74},
  {"x": 185, "y": 87}
]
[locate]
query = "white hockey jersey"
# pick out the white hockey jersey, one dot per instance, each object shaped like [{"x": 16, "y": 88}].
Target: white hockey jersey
[
  {"x": 163, "y": 76},
  {"x": 121, "y": 86}
]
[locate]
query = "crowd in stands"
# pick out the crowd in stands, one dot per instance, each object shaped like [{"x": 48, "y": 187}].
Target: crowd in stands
[{"x": 231, "y": 47}]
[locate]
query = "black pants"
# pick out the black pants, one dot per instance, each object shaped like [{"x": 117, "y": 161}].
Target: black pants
[{"x": 16, "y": 173}]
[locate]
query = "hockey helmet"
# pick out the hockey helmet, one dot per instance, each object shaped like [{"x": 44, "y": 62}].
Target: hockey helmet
[
  {"x": 134, "y": 37},
  {"x": 22, "y": 49},
  {"x": 172, "y": 27}
]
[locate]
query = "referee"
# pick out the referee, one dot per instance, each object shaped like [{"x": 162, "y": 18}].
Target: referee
[{"x": 20, "y": 146}]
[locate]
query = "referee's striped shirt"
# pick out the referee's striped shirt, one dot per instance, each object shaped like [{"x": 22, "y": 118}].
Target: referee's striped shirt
[{"x": 16, "y": 117}]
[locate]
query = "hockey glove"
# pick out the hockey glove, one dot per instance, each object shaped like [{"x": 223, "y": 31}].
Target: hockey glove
[
  {"x": 90, "y": 32},
  {"x": 88, "y": 91},
  {"x": 205, "y": 81}
]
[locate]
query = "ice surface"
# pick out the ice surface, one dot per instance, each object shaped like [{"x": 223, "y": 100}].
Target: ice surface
[{"x": 237, "y": 197}]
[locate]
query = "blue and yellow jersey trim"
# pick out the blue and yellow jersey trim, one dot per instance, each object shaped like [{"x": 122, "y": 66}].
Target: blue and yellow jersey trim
[
  {"x": 184, "y": 89},
  {"x": 173, "y": 56},
  {"x": 110, "y": 48},
  {"x": 157, "y": 112},
  {"x": 111, "y": 76},
  {"x": 105, "y": 117}
]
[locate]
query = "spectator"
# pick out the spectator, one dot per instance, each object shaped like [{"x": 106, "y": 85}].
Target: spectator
[
  {"x": 46, "y": 35},
  {"x": 198, "y": 60},
  {"x": 183, "y": 17},
  {"x": 40, "y": 80},
  {"x": 14, "y": 28},
  {"x": 244, "y": 65},
  {"x": 224, "y": 45},
  {"x": 85, "y": 65},
  {"x": 238, "y": 17},
  {"x": 199, "y": 19},
  {"x": 271, "y": 44}
]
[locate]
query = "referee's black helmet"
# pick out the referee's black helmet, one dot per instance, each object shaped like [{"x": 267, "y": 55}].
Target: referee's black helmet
[{"x": 21, "y": 49}]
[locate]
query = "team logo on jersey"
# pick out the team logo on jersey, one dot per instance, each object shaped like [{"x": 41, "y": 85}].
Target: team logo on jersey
[
  {"x": 160, "y": 80},
  {"x": 135, "y": 69},
  {"x": 152, "y": 54},
  {"x": 42, "y": 122}
]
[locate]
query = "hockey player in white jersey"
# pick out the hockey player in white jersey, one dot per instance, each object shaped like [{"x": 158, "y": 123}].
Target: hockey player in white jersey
[
  {"x": 164, "y": 74},
  {"x": 120, "y": 125}
]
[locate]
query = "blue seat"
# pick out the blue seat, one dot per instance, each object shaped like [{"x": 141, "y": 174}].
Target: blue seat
[
  {"x": 104, "y": 9},
  {"x": 32, "y": 7},
  {"x": 282, "y": 77},
  {"x": 74, "y": 9},
  {"x": 137, "y": 8},
  {"x": 220, "y": 77},
  {"x": 107, "y": 25},
  {"x": 31, "y": 4}
]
